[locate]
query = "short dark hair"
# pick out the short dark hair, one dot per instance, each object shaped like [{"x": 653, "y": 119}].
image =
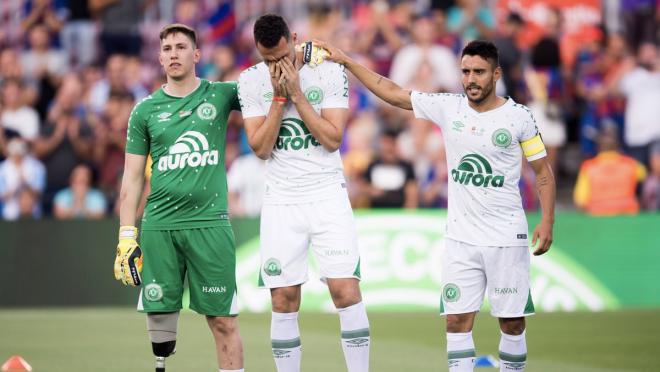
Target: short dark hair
[
  {"x": 269, "y": 29},
  {"x": 176, "y": 28},
  {"x": 484, "y": 49}
]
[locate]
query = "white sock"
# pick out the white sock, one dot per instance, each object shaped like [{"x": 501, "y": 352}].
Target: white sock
[
  {"x": 232, "y": 370},
  {"x": 513, "y": 352},
  {"x": 285, "y": 339},
  {"x": 460, "y": 352},
  {"x": 355, "y": 337}
]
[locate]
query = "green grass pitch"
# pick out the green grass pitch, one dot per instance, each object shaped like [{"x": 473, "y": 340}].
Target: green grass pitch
[{"x": 115, "y": 339}]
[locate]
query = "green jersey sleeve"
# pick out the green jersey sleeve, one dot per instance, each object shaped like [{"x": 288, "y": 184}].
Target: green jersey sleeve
[
  {"x": 137, "y": 136},
  {"x": 229, "y": 90}
]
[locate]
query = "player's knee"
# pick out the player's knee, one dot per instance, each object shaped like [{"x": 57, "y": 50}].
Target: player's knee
[
  {"x": 222, "y": 325},
  {"x": 163, "y": 349},
  {"x": 344, "y": 292},
  {"x": 285, "y": 299},
  {"x": 512, "y": 326},
  {"x": 458, "y": 323}
]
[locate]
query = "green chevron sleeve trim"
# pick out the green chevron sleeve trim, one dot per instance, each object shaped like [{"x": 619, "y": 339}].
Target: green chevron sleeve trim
[
  {"x": 355, "y": 334},
  {"x": 460, "y": 354},
  {"x": 261, "y": 280},
  {"x": 513, "y": 358},
  {"x": 285, "y": 344}
]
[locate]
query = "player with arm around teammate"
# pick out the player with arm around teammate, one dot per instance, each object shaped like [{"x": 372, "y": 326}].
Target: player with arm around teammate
[
  {"x": 487, "y": 244},
  {"x": 294, "y": 118},
  {"x": 185, "y": 225}
]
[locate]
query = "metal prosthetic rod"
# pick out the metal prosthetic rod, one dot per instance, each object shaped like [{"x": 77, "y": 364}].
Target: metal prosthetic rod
[{"x": 160, "y": 364}]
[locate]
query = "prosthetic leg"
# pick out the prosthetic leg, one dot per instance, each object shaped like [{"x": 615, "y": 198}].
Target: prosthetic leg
[{"x": 162, "y": 332}]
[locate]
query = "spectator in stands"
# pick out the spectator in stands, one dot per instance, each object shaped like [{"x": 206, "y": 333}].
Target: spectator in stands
[
  {"x": 109, "y": 141},
  {"x": 69, "y": 98},
  {"x": 391, "y": 180},
  {"x": 15, "y": 115},
  {"x": 80, "y": 200},
  {"x": 41, "y": 60},
  {"x": 222, "y": 66},
  {"x": 471, "y": 20},
  {"x": 22, "y": 180},
  {"x": 651, "y": 189},
  {"x": 322, "y": 22},
  {"x": 119, "y": 21},
  {"x": 63, "y": 143},
  {"x": 606, "y": 184},
  {"x": 545, "y": 81},
  {"x": 511, "y": 56},
  {"x": 382, "y": 31},
  {"x": 410, "y": 59},
  {"x": 357, "y": 155},
  {"x": 640, "y": 18},
  {"x": 78, "y": 35},
  {"x": 422, "y": 145},
  {"x": 641, "y": 86},
  {"x": 44, "y": 12},
  {"x": 11, "y": 15},
  {"x": 115, "y": 81},
  {"x": 10, "y": 68}
]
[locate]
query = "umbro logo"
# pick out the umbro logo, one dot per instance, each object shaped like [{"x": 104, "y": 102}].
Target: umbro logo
[
  {"x": 164, "y": 116},
  {"x": 357, "y": 341}
]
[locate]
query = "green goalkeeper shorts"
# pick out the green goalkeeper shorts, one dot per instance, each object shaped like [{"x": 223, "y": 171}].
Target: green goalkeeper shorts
[{"x": 207, "y": 256}]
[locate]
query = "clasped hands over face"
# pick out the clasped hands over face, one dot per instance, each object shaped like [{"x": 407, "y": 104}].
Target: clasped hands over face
[{"x": 284, "y": 77}]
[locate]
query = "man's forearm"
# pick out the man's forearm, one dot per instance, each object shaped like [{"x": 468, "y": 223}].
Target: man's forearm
[
  {"x": 323, "y": 130},
  {"x": 545, "y": 185},
  {"x": 264, "y": 137},
  {"x": 129, "y": 199},
  {"x": 384, "y": 88}
]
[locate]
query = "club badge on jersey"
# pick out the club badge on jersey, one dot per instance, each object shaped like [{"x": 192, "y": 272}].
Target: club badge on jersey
[{"x": 313, "y": 55}]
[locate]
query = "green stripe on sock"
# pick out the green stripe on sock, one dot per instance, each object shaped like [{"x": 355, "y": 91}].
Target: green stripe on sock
[
  {"x": 356, "y": 333},
  {"x": 529, "y": 307},
  {"x": 285, "y": 344},
  {"x": 460, "y": 354},
  {"x": 513, "y": 358}
]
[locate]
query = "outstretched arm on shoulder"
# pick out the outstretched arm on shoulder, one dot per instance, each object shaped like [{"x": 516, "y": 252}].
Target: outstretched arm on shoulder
[{"x": 384, "y": 88}]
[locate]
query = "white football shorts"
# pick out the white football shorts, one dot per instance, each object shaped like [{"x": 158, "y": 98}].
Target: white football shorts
[
  {"x": 469, "y": 271},
  {"x": 289, "y": 230}
]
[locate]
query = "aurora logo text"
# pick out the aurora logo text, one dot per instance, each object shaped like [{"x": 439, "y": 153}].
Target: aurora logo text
[
  {"x": 294, "y": 135},
  {"x": 190, "y": 149},
  {"x": 474, "y": 169}
]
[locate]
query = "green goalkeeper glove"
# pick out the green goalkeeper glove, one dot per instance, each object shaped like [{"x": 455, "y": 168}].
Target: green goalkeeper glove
[{"x": 128, "y": 263}]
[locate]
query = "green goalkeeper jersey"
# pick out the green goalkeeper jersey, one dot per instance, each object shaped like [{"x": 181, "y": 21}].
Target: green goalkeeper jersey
[{"x": 185, "y": 137}]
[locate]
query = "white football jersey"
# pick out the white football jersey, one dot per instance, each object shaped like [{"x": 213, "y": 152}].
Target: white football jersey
[
  {"x": 299, "y": 170},
  {"x": 484, "y": 158}
]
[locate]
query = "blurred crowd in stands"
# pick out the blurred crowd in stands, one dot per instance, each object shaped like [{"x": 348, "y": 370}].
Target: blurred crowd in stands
[{"x": 71, "y": 71}]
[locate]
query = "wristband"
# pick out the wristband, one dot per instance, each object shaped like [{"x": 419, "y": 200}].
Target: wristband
[
  {"x": 280, "y": 99},
  {"x": 128, "y": 232}
]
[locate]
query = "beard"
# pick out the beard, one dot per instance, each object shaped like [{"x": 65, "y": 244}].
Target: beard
[{"x": 485, "y": 92}]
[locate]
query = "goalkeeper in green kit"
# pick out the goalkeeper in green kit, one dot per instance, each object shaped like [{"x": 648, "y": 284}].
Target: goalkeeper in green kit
[{"x": 185, "y": 226}]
